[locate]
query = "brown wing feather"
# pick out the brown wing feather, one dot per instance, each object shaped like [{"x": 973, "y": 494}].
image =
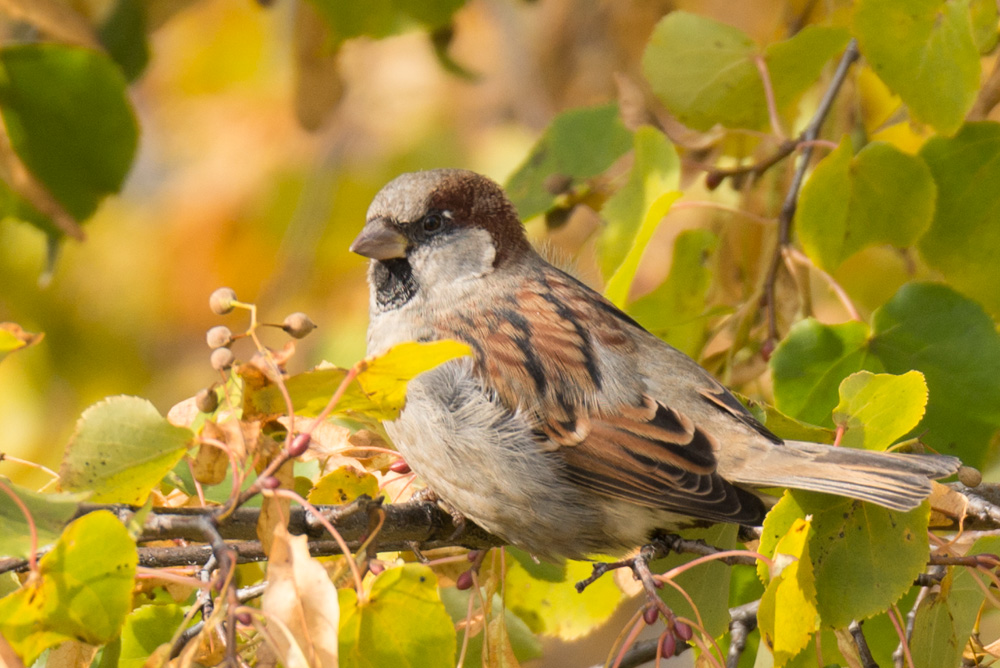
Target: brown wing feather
[
  {"x": 644, "y": 452},
  {"x": 663, "y": 461}
]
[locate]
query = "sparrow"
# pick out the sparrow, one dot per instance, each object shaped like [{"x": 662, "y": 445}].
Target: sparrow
[{"x": 571, "y": 431}]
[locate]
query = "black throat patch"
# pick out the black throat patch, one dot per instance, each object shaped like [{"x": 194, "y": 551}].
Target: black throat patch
[{"x": 394, "y": 283}]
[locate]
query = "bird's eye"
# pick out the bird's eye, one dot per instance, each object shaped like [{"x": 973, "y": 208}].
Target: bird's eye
[{"x": 432, "y": 222}]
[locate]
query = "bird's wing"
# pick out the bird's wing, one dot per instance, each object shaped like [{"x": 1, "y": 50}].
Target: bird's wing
[{"x": 613, "y": 437}]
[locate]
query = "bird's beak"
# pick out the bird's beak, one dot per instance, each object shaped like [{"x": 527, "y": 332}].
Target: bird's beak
[{"x": 379, "y": 240}]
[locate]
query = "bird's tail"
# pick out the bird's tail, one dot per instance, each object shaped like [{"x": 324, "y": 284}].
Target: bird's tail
[{"x": 894, "y": 480}]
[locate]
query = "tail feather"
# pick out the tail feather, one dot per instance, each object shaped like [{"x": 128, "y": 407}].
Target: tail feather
[{"x": 894, "y": 480}]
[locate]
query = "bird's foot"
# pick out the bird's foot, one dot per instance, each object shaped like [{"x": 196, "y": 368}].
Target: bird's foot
[{"x": 427, "y": 495}]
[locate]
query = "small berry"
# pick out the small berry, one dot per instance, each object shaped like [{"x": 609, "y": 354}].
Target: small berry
[
  {"x": 399, "y": 466},
  {"x": 221, "y": 301},
  {"x": 473, "y": 555},
  {"x": 767, "y": 349},
  {"x": 244, "y": 618},
  {"x": 969, "y": 476},
  {"x": 299, "y": 444},
  {"x": 668, "y": 645},
  {"x": 651, "y": 614},
  {"x": 270, "y": 482},
  {"x": 376, "y": 567},
  {"x": 464, "y": 581},
  {"x": 298, "y": 325},
  {"x": 219, "y": 337},
  {"x": 222, "y": 359},
  {"x": 207, "y": 400},
  {"x": 683, "y": 631}
]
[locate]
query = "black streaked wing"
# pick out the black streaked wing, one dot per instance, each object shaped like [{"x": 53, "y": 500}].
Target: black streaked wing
[{"x": 656, "y": 457}]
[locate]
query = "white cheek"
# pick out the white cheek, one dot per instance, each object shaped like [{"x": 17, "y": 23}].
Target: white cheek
[{"x": 466, "y": 255}]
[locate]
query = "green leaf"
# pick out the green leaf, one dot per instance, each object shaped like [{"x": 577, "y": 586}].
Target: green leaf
[
  {"x": 578, "y": 144},
  {"x": 12, "y": 205},
  {"x": 963, "y": 242},
  {"x": 634, "y": 212},
  {"x": 784, "y": 426},
  {"x": 145, "y": 629},
  {"x": 69, "y": 119},
  {"x": 84, "y": 590},
  {"x": 787, "y": 614},
  {"x": 707, "y": 584},
  {"x": 985, "y": 15},
  {"x": 948, "y": 338},
  {"x": 524, "y": 643},
  {"x": 877, "y": 409},
  {"x": 49, "y": 512},
  {"x": 809, "y": 364},
  {"x": 555, "y": 608},
  {"x": 925, "y": 52},
  {"x": 676, "y": 310},
  {"x": 703, "y": 70},
  {"x": 864, "y": 557},
  {"x": 121, "y": 449},
  {"x": 378, "y": 392},
  {"x": 880, "y": 196},
  {"x": 123, "y": 34},
  {"x": 403, "y": 623},
  {"x": 343, "y": 486},
  {"x": 946, "y": 617}
]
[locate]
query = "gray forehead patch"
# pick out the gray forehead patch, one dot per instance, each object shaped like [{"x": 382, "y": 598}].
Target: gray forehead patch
[{"x": 404, "y": 199}]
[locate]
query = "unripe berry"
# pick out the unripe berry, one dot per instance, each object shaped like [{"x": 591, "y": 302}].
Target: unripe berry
[
  {"x": 219, "y": 337},
  {"x": 221, "y": 301},
  {"x": 298, "y": 325},
  {"x": 464, "y": 581},
  {"x": 222, "y": 359},
  {"x": 270, "y": 482},
  {"x": 668, "y": 645},
  {"x": 399, "y": 466},
  {"x": 969, "y": 476},
  {"x": 206, "y": 400},
  {"x": 299, "y": 444},
  {"x": 683, "y": 631},
  {"x": 650, "y": 614}
]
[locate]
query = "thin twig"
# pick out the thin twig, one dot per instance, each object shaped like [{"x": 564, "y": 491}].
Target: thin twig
[
  {"x": 867, "y": 660},
  {"x": 792, "y": 198},
  {"x": 743, "y": 620}
]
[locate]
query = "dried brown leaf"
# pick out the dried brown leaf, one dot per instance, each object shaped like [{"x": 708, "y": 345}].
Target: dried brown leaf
[{"x": 301, "y": 595}]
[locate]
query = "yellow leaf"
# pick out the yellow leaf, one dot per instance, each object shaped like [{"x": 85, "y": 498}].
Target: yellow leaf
[{"x": 787, "y": 614}]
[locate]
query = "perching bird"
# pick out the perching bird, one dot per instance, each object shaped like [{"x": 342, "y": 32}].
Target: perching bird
[{"x": 572, "y": 430}]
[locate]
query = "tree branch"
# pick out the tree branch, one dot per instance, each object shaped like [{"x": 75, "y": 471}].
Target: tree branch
[{"x": 807, "y": 138}]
